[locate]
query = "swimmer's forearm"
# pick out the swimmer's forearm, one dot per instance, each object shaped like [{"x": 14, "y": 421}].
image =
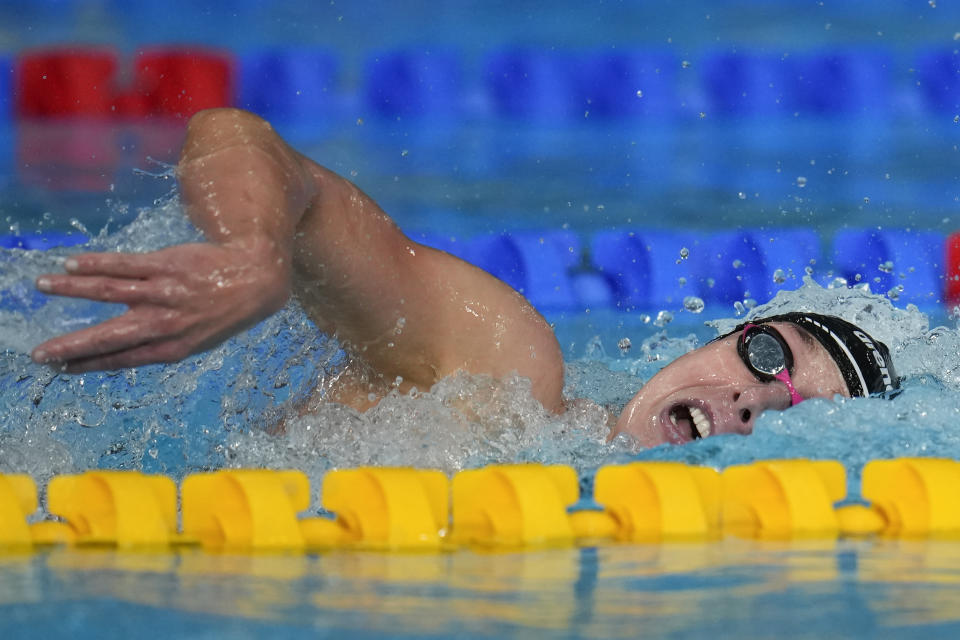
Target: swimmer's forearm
[{"x": 242, "y": 185}]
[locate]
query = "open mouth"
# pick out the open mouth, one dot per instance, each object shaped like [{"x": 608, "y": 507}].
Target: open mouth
[{"x": 692, "y": 420}]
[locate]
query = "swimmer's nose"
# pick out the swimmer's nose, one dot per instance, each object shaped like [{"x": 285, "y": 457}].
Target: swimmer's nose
[{"x": 745, "y": 405}]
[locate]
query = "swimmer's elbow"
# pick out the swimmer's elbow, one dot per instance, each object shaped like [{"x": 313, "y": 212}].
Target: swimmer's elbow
[
  {"x": 212, "y": 129},
  {"x": 220, "y": 117}
]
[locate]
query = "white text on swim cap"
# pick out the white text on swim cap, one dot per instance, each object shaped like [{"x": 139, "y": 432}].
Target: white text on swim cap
[{"x": 865, "y": 339}]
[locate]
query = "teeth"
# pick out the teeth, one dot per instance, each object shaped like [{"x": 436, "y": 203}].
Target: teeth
[
  {"x": 700, "y": 422},
  {"x": 673, "y": 418}
]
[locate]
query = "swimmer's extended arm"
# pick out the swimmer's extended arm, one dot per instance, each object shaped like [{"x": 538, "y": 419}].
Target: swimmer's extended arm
[{"x": 277, "y": 222}]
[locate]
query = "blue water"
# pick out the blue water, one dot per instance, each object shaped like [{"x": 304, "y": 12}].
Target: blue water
[{"x": 732, "y": 589}]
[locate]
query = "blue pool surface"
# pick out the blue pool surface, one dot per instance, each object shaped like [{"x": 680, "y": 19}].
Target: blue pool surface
[{"x": 889, "y": 589}]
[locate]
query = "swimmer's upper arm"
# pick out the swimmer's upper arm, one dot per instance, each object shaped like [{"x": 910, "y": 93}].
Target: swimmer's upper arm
[{"x": 412, "y": 311}]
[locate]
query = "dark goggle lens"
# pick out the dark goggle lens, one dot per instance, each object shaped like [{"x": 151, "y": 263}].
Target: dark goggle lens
[{"x": 765, "y": 354}]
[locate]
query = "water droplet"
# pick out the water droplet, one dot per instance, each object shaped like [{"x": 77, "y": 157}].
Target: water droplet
[
  {"x": 693, "y": 304},
  {"x": 685, "y": 64},
  {"x": 779, "y": 276},
  {"x": 639, "y": 93},
  {"x": 894, "y": 292},
  {"x": 684, "y": 253},
  {"x": 866, "y": 200},
  {"x": 886, "y": 267},
  {"x": 663, "y": 318},
  {"x": 801, "y": 181},
  {"x": 404, "y": 153},
  {"x": 737, "y": 263},
  {"x": 741, "y": 195},
  {"x": 749, "y": 303},
  {"x": 739, "y": 308},
  {"x": 624, "y": 345},
  {"x": 681, "y": 281}
]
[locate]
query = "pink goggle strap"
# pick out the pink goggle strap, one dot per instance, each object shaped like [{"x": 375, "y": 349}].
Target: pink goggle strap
[{"x": 784, "y": 377}]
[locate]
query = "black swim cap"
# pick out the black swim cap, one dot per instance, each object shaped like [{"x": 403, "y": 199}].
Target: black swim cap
[{"x": 864, "y": 362}]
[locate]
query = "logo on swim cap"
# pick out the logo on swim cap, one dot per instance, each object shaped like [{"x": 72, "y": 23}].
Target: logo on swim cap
[{"x": 881, "y": 362}]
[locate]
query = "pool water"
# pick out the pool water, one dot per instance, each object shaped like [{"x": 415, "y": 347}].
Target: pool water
[{"x": 737, "y": 588}]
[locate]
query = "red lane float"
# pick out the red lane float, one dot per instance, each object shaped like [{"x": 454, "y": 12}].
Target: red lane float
[
  {"x": 178, "y": 83},
  {"x": 65, "y": 83},
  {"x": 82, "y": 83},
  {"x": 952, "y": 266}
]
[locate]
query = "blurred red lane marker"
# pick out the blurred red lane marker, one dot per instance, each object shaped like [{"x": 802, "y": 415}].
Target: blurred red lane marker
[
  {"x": 82, "y": 83},
  {"x": 181, "y": 82},
  {"x": 65, "y": 83},
  {"x": 952, "y": 263}
]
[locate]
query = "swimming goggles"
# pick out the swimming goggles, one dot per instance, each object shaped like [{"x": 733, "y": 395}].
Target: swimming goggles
[{"x": 767, "y": 355}]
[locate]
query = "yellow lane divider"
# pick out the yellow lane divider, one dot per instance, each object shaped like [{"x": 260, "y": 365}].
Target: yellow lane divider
[{"x": 510, "y": 506}]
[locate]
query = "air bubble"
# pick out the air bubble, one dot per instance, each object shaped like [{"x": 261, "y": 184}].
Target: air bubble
[
  {"x": 894, "y": 292},
  {"x": 639, "y": 93},
  {"x": 663, "y": 318},
  {"x": 779, "y": 277},
  {"x": 684, "y": 253},
  {"x": 837, "y": 283},
  {"x": 801, "y": 181},
  {"x": 624, "y": 345},
  {"x": 693, "y": 304},
  {"x": 741, "y": 195},
  {"x": 886, "y": 267},
  {"x": 737, "y": 263}
]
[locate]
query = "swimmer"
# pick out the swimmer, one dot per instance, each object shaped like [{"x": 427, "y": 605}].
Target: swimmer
[{"x": 279, "y": 225}]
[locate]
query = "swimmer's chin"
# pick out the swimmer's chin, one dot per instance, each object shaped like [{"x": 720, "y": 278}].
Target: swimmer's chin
[{"x": 644, "y": 429}]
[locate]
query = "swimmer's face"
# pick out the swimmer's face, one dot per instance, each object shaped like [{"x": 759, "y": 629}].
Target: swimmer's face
[{"x": 712, "y": 388}]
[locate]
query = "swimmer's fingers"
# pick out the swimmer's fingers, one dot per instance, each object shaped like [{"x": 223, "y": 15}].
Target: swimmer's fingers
[
  {"x": 129, "y": 331},
  {"x": 153, "y": 353},
  {"x": 120, "y": 265},
  {"x": 110, "y": 289}
]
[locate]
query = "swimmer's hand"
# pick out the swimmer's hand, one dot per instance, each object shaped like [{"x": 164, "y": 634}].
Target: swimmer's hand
[{"x": 182, "y": 300}]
